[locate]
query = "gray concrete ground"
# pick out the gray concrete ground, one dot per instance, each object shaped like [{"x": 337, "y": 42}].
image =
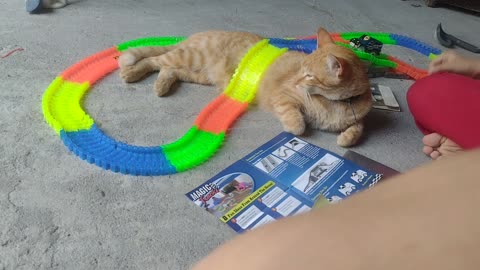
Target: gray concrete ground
[{"x": 59, "y": 212}]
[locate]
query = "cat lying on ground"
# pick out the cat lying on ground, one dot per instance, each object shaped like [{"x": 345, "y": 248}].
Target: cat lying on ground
[{"x": 327, "y": 89}]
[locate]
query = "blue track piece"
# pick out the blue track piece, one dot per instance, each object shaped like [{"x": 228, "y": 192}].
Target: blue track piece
[
  {"x": 302, "y": 45},
  {"x": 95, "y": 147},
  {"x": 416, "y": 45}
]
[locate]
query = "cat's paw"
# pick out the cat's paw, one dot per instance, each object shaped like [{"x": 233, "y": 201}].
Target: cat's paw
[
  {"x": 126, "y": 59},
  {"x": 350, "y": 136},
  {"x": 131, "y": 74},
  {"x": 296, "y": 128},
  {"x": 344, "y": 141},
  {"x": 161, "y": 87}
]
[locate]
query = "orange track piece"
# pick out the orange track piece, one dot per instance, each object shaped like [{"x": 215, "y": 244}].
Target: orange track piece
[
  {"x": 340, "y": 39},
  {"x": 411, "y": 71},
  {"x": 220, "y": 114},
  {"x": 93, "y": 68},
  {"x": 335, "y": 36}
]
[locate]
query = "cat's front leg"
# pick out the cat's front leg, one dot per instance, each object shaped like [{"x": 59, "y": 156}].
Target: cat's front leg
[
  {"x": 351, "y": 135},
  {"x": 291, "y": 118},
  {"x": 137, "y": 71}
]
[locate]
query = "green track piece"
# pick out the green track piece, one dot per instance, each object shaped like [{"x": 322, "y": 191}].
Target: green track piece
[
  {"x": 194, "y": 148},
  {"x": 150, "y": 41},
  {"x": 379, "y": 60},
  {"x": 382, "y": 37}
]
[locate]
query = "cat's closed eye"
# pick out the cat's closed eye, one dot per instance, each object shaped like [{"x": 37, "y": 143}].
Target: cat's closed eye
[{"x": 309, "y": 76}]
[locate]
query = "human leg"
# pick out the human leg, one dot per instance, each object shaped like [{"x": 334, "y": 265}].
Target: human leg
[
  {"x": 446, "y": 104},
  {"x": 423, "y": 219}
]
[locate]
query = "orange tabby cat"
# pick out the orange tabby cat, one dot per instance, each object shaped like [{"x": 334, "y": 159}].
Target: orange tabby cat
[{"x": 327, "y": 89}]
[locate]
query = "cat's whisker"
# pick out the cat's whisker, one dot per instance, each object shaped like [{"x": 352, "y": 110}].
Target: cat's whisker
[{"x": 308, "y": 98}]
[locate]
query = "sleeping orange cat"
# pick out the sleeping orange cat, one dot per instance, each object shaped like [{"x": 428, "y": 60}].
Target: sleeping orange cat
[{"x": 327, "y": 89}]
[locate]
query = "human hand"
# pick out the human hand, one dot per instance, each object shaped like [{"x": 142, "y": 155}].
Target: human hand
[{"x": 450, "y": 61}]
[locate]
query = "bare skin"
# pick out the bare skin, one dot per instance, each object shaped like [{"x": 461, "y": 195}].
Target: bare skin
[
  {"x": 423, "y": 219},
  {"x": 437, "y": 145},
  {"x": 450, "y": 61}
]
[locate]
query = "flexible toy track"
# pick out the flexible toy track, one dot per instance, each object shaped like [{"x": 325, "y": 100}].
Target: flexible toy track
[
  {"x": 62, "y": 109},
  {"x": 309, "y": 44}
]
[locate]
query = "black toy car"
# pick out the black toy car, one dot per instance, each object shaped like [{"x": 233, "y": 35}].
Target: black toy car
[{"x": 368, "y": 44}]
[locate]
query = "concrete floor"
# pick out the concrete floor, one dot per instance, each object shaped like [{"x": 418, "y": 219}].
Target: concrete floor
[{"x": 59, "y": 212}]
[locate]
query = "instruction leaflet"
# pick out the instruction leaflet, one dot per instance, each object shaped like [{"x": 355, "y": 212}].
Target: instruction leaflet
[
  {"x": 286, "y": 176},
  {"x": 383, "y": 98}
]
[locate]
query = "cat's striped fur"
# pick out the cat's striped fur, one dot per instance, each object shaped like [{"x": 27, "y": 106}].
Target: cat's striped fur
[{"x": 327, "y": 89}]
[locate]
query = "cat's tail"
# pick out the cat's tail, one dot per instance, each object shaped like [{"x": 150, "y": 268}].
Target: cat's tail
[{"x": 133, "y": 55}]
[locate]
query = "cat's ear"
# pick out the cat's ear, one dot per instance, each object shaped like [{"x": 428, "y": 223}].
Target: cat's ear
[
  {"x": 335, "y": 65},
  {"x": 323, "y": 37}
]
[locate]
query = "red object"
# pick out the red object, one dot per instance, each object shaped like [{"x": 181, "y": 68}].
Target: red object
[
  {"x": 447, "y": 104},
  {"x": 11, "y": 52}
]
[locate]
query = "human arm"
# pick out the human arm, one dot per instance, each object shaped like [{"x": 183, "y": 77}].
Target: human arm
[{"x": 455, "y": 63}]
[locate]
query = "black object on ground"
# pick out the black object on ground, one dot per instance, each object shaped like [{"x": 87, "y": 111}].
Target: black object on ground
[{"x": 450, "y": 41}]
